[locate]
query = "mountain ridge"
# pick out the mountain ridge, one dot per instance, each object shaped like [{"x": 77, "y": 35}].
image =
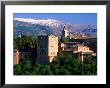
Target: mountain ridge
[{"x": 49, "y": 26}]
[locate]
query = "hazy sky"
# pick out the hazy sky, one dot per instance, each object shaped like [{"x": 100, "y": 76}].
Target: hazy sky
[{"x": 73, "y": 18}]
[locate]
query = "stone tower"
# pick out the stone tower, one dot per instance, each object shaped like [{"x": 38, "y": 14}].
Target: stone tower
[{"x": 47, "y": 49}]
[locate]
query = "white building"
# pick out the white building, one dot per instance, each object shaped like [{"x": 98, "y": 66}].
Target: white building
[{"x": 65, "y": 32}]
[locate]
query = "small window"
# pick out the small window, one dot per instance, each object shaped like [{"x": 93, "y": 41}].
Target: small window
[
  {"x": 51, "y": 46},
  {"x": 45, "y": 52},
  {"x": 40, "y": 53},
  {"x": 25, "y": 56},
  {"x": 54, "y": 53}
]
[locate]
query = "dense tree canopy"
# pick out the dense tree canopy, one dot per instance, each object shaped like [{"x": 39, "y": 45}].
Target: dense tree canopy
[{"x": 60, "y": 66}]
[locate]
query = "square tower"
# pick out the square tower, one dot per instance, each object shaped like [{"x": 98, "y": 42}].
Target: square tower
[{"x": 47, "y": 49}]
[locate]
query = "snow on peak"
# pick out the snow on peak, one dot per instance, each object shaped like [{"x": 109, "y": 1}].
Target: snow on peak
[{"x": 48, "y": 22}]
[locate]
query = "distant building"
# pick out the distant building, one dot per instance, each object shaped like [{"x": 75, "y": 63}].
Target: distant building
[
  {"x": 75, "y": 48},
  {"x": 83, "y": 51},
  {"x": 47, "y": 49},
  {"x": 71, "y": 35},
  {"x": 81, "y": 48},
  {"x": 68, "y": 45},
  {"x": 16, "y": 58}
]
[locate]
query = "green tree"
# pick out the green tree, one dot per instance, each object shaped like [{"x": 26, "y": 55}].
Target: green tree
[
  {"x": 27, "y": 67},
  {"x": 25, "y": 42},
  {"x": 35, "y": 70},
  {"x": 18, "y": 69}
]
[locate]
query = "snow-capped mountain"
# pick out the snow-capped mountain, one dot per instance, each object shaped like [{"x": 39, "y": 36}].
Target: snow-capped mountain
[
  {"x": 91, "y": 32},
  {"x": 47, "y": 22},
  {"x": 35, "y": 27}
]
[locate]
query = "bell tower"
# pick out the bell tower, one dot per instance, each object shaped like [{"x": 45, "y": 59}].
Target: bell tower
[{"x": 65, "y": 32}]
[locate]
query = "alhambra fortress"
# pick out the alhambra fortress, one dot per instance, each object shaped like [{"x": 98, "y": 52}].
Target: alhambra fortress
[{"x": 48, "y": 47}]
